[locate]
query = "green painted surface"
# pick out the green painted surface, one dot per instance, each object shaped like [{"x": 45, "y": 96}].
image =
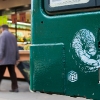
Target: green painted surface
[
  {"x": 79, "y": 34},
  {"x": 48, "y": 73}
]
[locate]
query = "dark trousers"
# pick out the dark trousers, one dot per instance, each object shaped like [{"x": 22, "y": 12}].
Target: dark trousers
[{"x": 11, "y": 69}]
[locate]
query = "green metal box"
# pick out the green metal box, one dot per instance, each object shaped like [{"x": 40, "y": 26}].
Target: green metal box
[{"x": 65, "y": 51}]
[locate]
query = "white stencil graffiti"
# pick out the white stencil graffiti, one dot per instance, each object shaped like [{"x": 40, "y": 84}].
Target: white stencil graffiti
[
  {"x": 84, "y": 46},
  {"x": 72, "y": 76}
]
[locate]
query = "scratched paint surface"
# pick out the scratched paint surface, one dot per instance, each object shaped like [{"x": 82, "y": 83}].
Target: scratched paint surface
[{"x": 70, "y": 72}]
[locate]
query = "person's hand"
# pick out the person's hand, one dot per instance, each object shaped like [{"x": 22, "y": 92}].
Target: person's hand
[{"x": 17, "y": 62}]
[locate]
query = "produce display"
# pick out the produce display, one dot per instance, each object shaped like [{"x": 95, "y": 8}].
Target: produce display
[{"x": 27, "y": 47}]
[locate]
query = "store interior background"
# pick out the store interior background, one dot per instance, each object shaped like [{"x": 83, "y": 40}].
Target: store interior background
[{"x": 21, "y": 30}]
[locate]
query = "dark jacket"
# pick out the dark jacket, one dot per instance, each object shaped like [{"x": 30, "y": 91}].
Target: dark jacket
[{"x": 8, "y": 48}]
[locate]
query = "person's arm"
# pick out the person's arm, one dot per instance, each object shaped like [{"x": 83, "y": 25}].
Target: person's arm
[
  {"x": 17, "y": 52},
  {"x": 2, "y": 47},
  {"x": 17, "y": 55}
]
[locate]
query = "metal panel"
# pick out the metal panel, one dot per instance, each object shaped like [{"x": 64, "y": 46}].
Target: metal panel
[
  {"x": 78, "y": 32},
  {"x": 48, "y": 69}
]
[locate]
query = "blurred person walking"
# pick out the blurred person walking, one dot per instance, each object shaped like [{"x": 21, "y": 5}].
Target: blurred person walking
[{"x": 8, "y": 56}]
